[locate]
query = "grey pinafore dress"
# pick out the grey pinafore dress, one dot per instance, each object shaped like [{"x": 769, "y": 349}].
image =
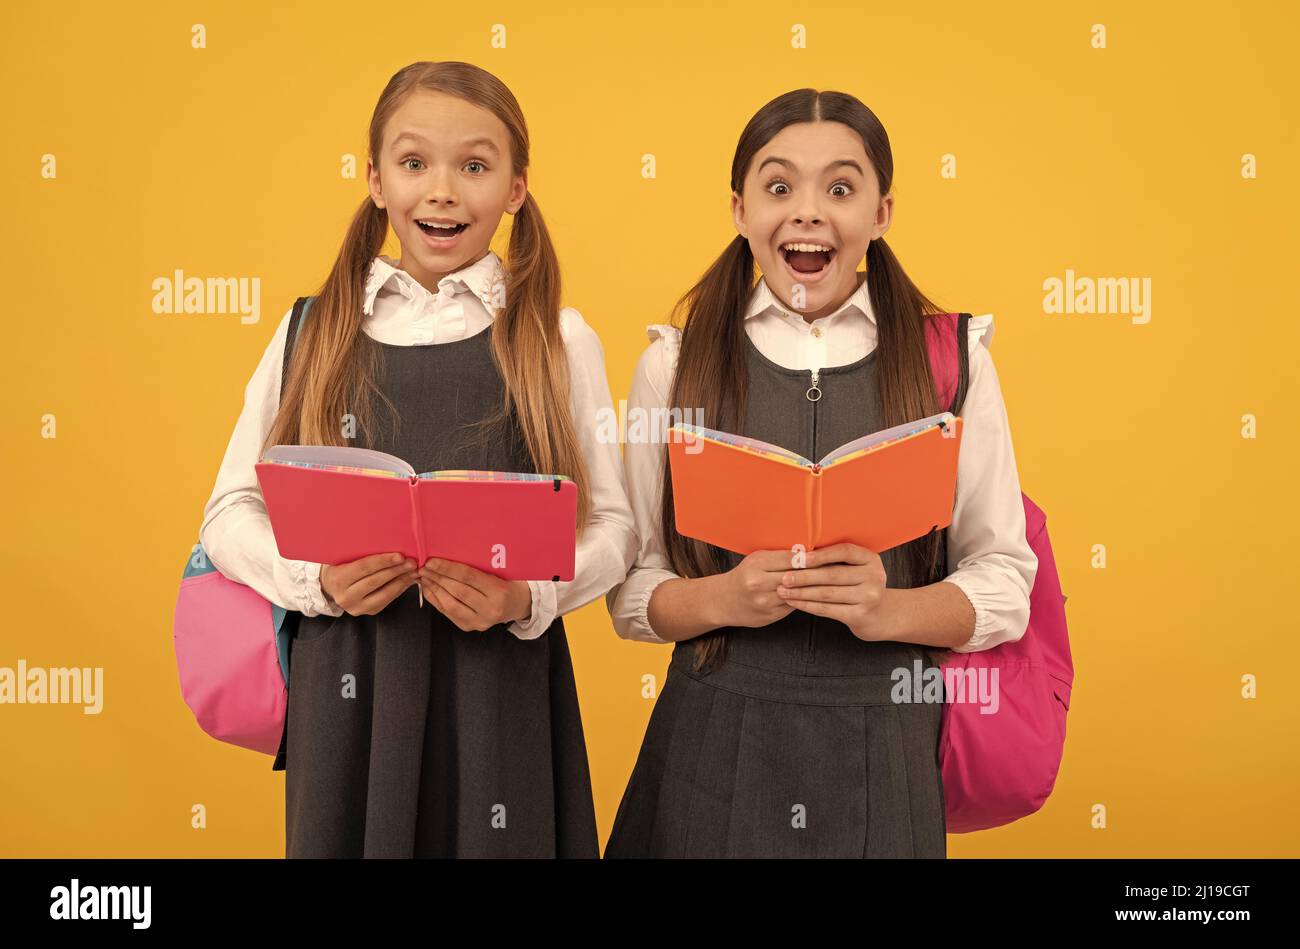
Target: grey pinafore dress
[
  {"x": 792, "y": 746},
  {"x": 408, "y": 737}
]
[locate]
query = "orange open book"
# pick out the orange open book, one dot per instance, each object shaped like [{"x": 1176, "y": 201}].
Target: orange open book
[{"x": 877, "y": 491}]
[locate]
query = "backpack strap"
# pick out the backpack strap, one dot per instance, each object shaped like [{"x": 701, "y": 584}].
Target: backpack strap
[
  {"x": 946, "y": 343},
  {"x": 963, "y": 364},
  {"x": 300, "y": 308},
  {"x": 947, "y": 362},
  {"x": 286, "y": 621}
]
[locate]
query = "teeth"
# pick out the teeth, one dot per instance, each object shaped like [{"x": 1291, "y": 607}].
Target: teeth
[
  {"x": 445, "y": 227},
  {"x": 795, "y": 245}
]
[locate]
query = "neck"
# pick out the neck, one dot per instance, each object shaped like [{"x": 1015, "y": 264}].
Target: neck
[
  {"x": 810, "y": 315},
  {"x": 429, "y": 279}
]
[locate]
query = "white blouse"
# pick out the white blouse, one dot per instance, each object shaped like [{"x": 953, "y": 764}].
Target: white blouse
[
  {"x": 995, "y": 567},
  {"x": 236, "y": 531}
]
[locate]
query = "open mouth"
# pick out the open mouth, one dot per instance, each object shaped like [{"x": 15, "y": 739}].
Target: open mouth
[
  {"x": 443, "y": 231},
  {"x": 807, "y": 257}
]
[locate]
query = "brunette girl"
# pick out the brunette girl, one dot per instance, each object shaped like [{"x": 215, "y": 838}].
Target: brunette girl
[{"x": 776, "y": 733}]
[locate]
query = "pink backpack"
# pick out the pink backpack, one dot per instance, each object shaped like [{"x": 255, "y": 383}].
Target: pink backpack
[
  {"x": 1000, "y": 767},
  {"x": 232, "y": 644}
]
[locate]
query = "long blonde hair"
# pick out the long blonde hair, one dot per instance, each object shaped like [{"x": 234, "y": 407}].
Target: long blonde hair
[{"x": 334, "y": 365}]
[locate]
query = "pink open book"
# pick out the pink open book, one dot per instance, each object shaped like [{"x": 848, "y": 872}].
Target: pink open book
[{"x": 338, "y": 504}]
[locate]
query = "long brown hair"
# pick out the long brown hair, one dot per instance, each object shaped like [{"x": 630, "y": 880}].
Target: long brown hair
[
  {"x": 712, "y": 371},
  {"x": 334, "y": 365}
]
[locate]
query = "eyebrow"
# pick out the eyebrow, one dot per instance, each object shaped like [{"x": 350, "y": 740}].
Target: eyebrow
[
  {"x": 841, "y": 163},
  {"x": 471, "y": 143}
]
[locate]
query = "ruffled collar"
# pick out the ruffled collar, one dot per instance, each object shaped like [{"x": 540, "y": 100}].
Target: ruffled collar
[{"x": 482, "y": 278}]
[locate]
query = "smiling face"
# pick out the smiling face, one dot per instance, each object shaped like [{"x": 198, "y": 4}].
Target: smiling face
[
  {"x": 445, "y": 177},
  {"x": 810, "y": 205}
]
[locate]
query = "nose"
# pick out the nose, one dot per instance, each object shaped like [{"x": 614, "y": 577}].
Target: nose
[
  {"x": 442, "y": 190},
  {"x": 807, "y": 209}
]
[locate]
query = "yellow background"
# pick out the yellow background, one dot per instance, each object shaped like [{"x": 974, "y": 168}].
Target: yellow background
[{"x": 225, "y": 161}]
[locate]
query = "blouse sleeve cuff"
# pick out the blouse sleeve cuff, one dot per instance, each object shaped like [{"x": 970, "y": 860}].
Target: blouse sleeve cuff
[
  {"x": 313, "y": 600},
  {"x": 543, "y": 612},
  {"x": 985, "y": 618},
  {"x": 641, "y": 605}
]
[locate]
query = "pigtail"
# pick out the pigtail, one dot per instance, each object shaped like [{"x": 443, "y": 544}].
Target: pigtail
[
  {"x": 712, "y": 379},
  {"x": 331, "y": 381},
  {"x": 528, "y": 347}
]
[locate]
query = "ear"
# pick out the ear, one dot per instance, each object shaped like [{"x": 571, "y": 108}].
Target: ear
[
  {"x": 518, "y": 192},
  {"x": 884, "y": 216},
  {"x": 738, "y": 214},
  {"x": 376, "y": 187}
]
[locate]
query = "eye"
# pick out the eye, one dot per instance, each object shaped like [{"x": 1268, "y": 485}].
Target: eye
[
  {"x": 777, "y": 182},
  {"x": 843, "y": 184},
  {"x": 475, "y": 161},
  {"x": 405, "y": 160}
]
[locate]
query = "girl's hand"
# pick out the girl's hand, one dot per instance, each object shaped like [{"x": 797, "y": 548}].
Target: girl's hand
[
  {"x": 472, "y": 599},
  {"x": 843, "y": 582},
  {"x": 364, "y": 587},
  {"x": 748, "y": 591}
]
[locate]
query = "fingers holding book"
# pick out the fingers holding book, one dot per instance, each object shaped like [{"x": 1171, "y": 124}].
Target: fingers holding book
[
  {"x": 845, "y": 582},
  {"x": 471, "y": 598},
  {"x": 365, "y": 586}
]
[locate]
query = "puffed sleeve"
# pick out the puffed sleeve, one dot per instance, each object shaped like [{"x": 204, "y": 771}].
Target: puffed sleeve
[
  {"x": 607, "y": 549},
  {"x": 989, "y": 558},
  {"x": 236, "y": 531},
  {"x": 643, "y": 459}
]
